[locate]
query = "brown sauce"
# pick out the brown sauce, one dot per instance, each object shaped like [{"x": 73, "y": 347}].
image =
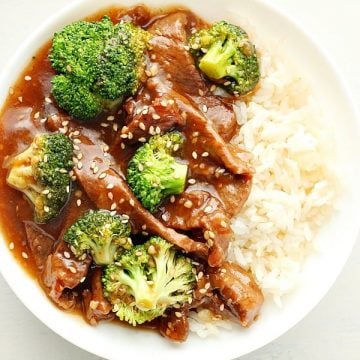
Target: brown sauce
[{"x": 30, "y": 101}]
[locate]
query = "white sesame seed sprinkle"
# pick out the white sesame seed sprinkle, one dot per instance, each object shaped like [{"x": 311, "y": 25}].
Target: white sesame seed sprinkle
[
  {"x": 178, "y": 314},
  {"x": 24, "y": 255},
  {"x": 77, "y": 141},
  {"x": 110, "y": 195},
  {"x": 83, "y": 279},
  {"x": 191, "y": 181},
  {"x": 142, "y": 139},
  {"x": 110, "y": 118},
  {"x": 110, "y": 186},
  {"x": 208, "y": 209},
  {"x": 188, "y": 204},
  {"x": 194, "y": 155},
  {"x": 72, "y": 269},
  {"x": 222, "y": 307},
  {"x": 142, "y": 126},
  {"x": 202, "y": 291},
  {"x": 204, "y": 108},
  {"x": 155, "y": 116},
  {"x": 11, "y": 246},
  {"x": 48, "y": 100},
  {"x": 102, "y": 175},
  {"x": 132, "y": 202},
  {"x": 27, "y": 77},
  {"x": 36, "y": 115},
  {"x": 113, "y": 206},
  {"x": 205, "y": 154},
  {"x": 20, "y": 98},
  {"x": 67, "y": 254},
  {"x": 46, "y": 209},
  {"x": 78, "y": 202}
]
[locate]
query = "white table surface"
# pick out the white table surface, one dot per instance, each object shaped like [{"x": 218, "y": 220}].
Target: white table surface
[{"x": 332, "y": 330}]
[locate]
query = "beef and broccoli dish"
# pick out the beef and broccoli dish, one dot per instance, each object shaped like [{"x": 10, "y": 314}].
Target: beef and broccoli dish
[{"x": 120, "y": 179}]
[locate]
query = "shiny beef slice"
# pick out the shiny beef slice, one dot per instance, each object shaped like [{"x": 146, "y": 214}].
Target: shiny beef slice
[{"x": 239, "y": 291}]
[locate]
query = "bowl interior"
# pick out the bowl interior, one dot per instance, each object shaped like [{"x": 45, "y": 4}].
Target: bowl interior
[{"x": 335, "y": 240}]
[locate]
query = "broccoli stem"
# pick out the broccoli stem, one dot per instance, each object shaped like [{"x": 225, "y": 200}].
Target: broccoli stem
[
  {"x": 215, "y": 62},
  {"x": 176, "y": 181}
]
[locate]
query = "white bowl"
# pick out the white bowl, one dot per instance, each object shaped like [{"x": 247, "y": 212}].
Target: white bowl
[{"x": 335, "y": 241}]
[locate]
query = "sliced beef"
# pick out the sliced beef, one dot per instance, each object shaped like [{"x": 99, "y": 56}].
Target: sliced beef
[
  {"x": 99, "y": 178},
  {"x": 174, "y": 63},
  {"x": 95, "y": 306},
  {"x": 63, "y": 272},
  {"x": 199, "y": 210},
  {"x": 40, "y": 243},
  {"x": 239, "y": 290},
  {"x": 175, "y": 326}
]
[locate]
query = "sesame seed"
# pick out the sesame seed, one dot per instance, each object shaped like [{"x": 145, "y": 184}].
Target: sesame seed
[
  {"x": 110, "y": 186},
  {"x": 222, "y": 307},
  {"x": 130, "y": 135},
  {"x": 205, "y": 154},
  {"x": 190, "y": 300},
  {"x": 11, "y": 246},
  {"x": 151, "y": 250},
  {"x": 113, "y": 213},
  {"x": 46, "y": 209},
  {"x": 45, "y": 158},
  {"x": 223, "y": 271},
  {"x": 142, "y": 139},
  {"x": 164, "y": 217},
  {"x": 204, "y": 108},
  {"x": 171, "y": 102},
  {"x": 142, "y": 126},
  {"x": 43, "y": 121},
  {"x": 227, "y": 83},
  {"x": 11, "y": 90},
  {"x": 153, "y": 56},
  {"x": 65, "y": 123},
  {"x": 213, "y": 88},
  {"x": 223, "y": 224},
  {"x": 104, "y": 125},
  {"x": 141, "y": 167},
  {"x": 63, "y": 130},
  {"x": 207, "y": 286},
  {"x": 124, "y": 136},
  {"x": 132, "y": 202},
  {"x": 148, "y": 73},
  {"x": 163, "y": 103},
  {"x": 78, "y": 202},
  {"x": 122, "y": 146},
  {"x": 202, "y": 291},
  {"x": 110, "y": 195},
  {"x": 178, "y": 314},
  {"x": 79, "y": 165},
  {"x": 27, "y": 78},
  {"x": 79, "y": 156},
  {"x": 115, "y": 127},
  {"x": 200, "y": 275},
  {"x": 110, "y": 118},
  {"x": 72, "y": 269},
  {"x": 77, "y": 141},
  {"x": 24, "y": 255},
  {"x": 154, "y": 70},
  {"x": 67, "y": 254},
  {"x": 20, "y": 98},
  {"x": 76, "y": 133},
  {"x": 36, "y": 115},
  {"x": 208, "y": 209},
  {"x": 83, "y": 279},
  {"x": 67, "y": 188},
  {"x": 113, "y": 206},
  {"x": 102, "y": 175},
  {"x": 194, "y": 155},
  {"x": 188, "y": 204},
  {"x": 201, "y": 93},
  {"x": 48, "y": 100},
  {"x": 176, "y": 147},
  {"x": 76, "y": 148},
  {"x": 105, "y": 148},
  {"x": 155, "y": 116},
  {"x": 191, "y": 181}
]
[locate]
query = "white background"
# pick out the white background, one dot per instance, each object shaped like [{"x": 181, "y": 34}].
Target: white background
[{"x": 332, "y": 329}]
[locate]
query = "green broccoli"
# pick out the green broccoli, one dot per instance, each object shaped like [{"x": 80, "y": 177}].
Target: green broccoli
[
  {"x": 99, "y": 63},
  {"x": 41, "y": 172},
  {"x": 153, "y": 173},
  {"x": 147, "y": 280},
  {"x": 224, "y": 52},
  {"x": 101, "y": 234}
]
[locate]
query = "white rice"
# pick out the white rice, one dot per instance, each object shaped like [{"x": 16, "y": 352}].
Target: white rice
[{"x": 293, "y": 188}]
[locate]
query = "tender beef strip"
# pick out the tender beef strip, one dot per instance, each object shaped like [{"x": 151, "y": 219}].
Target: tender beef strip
[
  {"x": 95, "y": 306},
  {"x": 169, "y": 45},
  {"x": 197, "y": 209},
  {"x": 99, "y": 178},
  {"x": 147, "y": 120},
  {"x": 64, "y": 272},
  {"x": 40, "y": 243},
  {"x": 239, "y": 290},
  {"x": 175, "y": 326},
  {"x": 223, "y": 185}
]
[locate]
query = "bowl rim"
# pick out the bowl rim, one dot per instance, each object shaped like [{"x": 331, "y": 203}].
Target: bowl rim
[{"x": 310, "y": 38}]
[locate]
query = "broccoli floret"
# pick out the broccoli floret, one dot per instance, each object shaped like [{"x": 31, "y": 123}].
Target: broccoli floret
[
  {"x": 153, "y": 172},
  {"x": 101, "y": 234},
  {"x": 147, "y": 280},
  {"x": 224, "y": 52},
  {"x": 41, "y": 172},
  {"x": 99, "y": 63}
]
